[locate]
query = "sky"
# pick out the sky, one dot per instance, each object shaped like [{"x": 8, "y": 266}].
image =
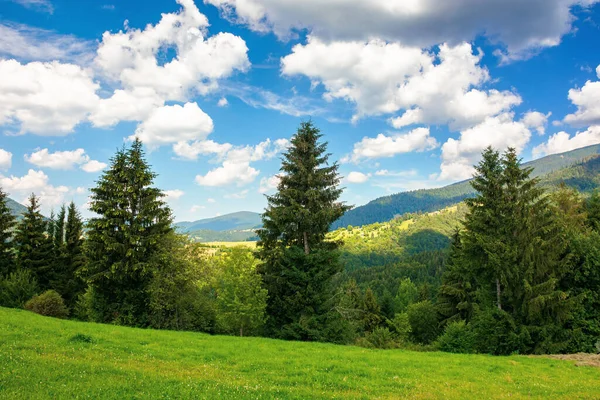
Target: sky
[{"x": 406, "y": 92}]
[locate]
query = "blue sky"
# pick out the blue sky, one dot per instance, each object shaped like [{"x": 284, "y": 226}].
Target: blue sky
[{"x": 406, "y": 92}]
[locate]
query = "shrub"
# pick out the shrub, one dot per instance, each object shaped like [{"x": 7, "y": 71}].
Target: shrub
[
  {"x": 401, "y": 326},
  {"x": 457, "y": 338},
  {"x": 380, "y": 338},
  {"x": 496, "y": 333},
  {"x": 81, "y": 338},
  {"x": 49, "y": 304},
  {"x": 17, "y": 288},
  {"x": 423, "y": 322}
]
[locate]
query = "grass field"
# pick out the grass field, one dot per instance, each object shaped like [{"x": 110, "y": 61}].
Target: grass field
[{"x": 49, "y": 358}]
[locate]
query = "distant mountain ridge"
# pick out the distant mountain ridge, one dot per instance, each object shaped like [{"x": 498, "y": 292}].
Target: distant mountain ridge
[
  {"x": 425, "y": 200},
  {"x": 234, "y": 227},
  {"x": 16, "y": 209}
]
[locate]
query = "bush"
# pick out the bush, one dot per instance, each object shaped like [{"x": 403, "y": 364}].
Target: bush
[
  {"x": 17, "y": 288},
  {"x": 457, "y": 338},
  {"x": 423, "y": 322},
  {"x": 401, "y": 326},
  {"x": 380, "y": 338},
  {"x": 496, "y": 333},
  {"x": 49, "y": 304}
]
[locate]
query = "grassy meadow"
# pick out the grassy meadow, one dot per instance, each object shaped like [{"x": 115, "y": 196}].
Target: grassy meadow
[{"x": 43, "y": 357}]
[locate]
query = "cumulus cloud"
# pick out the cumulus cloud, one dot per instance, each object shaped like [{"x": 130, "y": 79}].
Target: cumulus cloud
[
  {"x": 45, "y": 98},
  {"x": 5, "y": 159},
  {"x": 521, "y": 27},
  {"x": 236, "y": 168},
  {"x": 222, "y": 102},
  {"x": 388, "y": 146},
  {"x": 173, "y": 194},
  {"x": 587, "y": 100},
  {"x": 35, "y": 182},
  {"x": 562, "y": 141},
  {"x": 64, "y": 160},
  {"x": 500, "y": 132},
  {"x": 357, "y": 177},
  {"x": 385, "y": 78},
  {"x": 125, "y": 105},
  {"x": 536, "y": 120},
  {"x": 269, "y": 184},
  {"x": 191, "y": 150}
]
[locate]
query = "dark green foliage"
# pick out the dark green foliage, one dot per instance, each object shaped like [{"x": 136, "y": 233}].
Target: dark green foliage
[
  {"x": 372, "y": 317},
  {"x": 297, "y": 263},
  {"x": 49, "y": 304},
  {"x": 407, "y": 294},
  {"x": 593, "y": 210},
  {"x": 7, "y": 223},
  {"x": 124, "y": 241},
  {"x": 16, "y": 288},
  {"x": 457, "y": 338},
  {"x": 34, "y": 247},
  {"x": 81, "y": 338},
  {"x": 496, "y": 333},
  {"x": 423, "y": 321}
]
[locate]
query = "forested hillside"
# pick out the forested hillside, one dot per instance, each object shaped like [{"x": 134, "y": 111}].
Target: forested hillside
[{"x": 387, "y": 207}]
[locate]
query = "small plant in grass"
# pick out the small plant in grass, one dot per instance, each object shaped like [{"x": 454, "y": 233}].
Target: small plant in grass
[
  {"x": 49, "y": 304},
  {"x": 81, "y": 338}
]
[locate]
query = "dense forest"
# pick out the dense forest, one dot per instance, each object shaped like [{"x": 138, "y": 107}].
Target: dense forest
[{"x": 515, "y": 268}]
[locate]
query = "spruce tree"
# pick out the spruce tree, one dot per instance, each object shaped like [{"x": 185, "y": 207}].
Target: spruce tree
[
  {"x": 59, "y": 228},
  {"x": 34, "y": 249},
  {"x": 7, "y": 223},
  {"x": 124, "y": 241},
  {"x": 298, "y": 263}
]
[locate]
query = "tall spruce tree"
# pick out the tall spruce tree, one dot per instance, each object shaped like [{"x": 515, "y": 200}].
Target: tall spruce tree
[
  {"x": 125, "y": 239},
  {"x": 297, "y": 262},
  {"x": 34, "y": 249},
  {"x": 7, "y": 223}
]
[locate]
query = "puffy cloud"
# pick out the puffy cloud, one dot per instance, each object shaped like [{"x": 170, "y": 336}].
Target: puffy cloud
[
  {"x": 5, "y": 159},
  {"x": 173, "y": 124},
  {"x": 93, "y": 166},
  {"x": 500, "y": 132},
  {"x": 35, "y": 182},
  {"x": 133, "y": 56},
  {"x": 522, "y": 26},
  {"x": 173, "y": 194},
  {"x": 587, "y": 100},
  {"x": 387, "y": 146},
  {"x": 562, "y": 141},
  {"x": 536, "y": 120},
  {"x": 126, "y": 105},
  {"x": 357, "y": 177},
  {"x": 384, "y": 78},
  {"x": 191, "y": 150},
  {"x": 236, "y": 164},
  {"x": 222, "y": 102},
  {"x": 64, "y": 160},
  {"x": 269, "y": 184},
  {"x": 33, "y": 44},
  {"x": 45, "y": 98}
]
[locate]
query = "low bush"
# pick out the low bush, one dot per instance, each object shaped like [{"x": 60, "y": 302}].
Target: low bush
[
  {"x": 457, "y": 338},
  {"x": 380, "y": 338},
  {"x": 17, "y": 288},
  {"x": 49, "y": 304}
]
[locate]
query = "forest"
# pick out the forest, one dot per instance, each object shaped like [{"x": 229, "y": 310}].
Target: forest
[{"x": 512, "y": 269}]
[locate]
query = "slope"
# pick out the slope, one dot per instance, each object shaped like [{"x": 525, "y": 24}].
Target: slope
[{"x": 44, "y": 358}]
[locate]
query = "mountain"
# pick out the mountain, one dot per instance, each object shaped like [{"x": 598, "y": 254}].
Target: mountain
[
  {"x": 385, "y": 208},
  {"x": 234, "y": 227},
  {"x": 17, "y": 209}
]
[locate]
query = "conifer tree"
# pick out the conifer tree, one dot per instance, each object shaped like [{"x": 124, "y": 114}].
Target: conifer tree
[
  {"x": 59, "y": 228},
  {"x": 34, "y": 249},
  {"x": 124, "y": 241},
  {"x": 298, "y": 263},
  {"x": 7, "y": 223}
]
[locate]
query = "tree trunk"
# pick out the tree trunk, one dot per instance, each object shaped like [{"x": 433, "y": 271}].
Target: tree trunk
[
  {"x": 306, "y": 248},
  {"x": 498, "y": 293}
]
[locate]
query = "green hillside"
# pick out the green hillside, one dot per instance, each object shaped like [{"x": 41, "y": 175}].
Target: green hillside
[
  {"x": 46, "y": 358},
  {"x": 386, "y": 208}
]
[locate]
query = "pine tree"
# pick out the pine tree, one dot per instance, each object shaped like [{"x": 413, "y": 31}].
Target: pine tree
[
  {"x": 7, "y": 223},
  {"x": 298, "y": 263},
  {"x": 59, "y": 228},
  {"x": 124, "y": 241},
  {"x": 34, "y": 249}
]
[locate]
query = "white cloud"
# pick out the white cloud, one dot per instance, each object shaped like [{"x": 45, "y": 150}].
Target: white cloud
[
  {"x": 134, "y": 56},
  {"x": 269, "y": 184},
  {"x": 174, "y": 124},
  {"x": 93, "y": 166},
  {"x": 173, "y": 194},
  {"x": 196, "y": 208},
  {"x": 35, "y": 182},
  {"x": 236, "y": 164},
  {"x": 500, "y": 132},
  {"x": 126, "y": 105},
  {"x": 222, "y": 102},
  {"x": 5, "y": 159},
  {"x": 34, "y": 44},
  {"x": 562, "y": 141},
  {"x": 521, "y": 26},
  {"x": 536, "y": 120},
  {"x": 57, "y": 160},
  {"x": 587, "y": 100},
  {"x": 405, "y": 174},
  {"x": 209, "y": 200},
  {"x": 385, "y": 78},
  {"x": 191, "y": 150},
  {"x": 38, "y": 5},
  {"x": 388, "y": 146},
  {"x": 45, "y": 98},
  {"x": 357, "y": 177},
  {"x": 238, "y": 195}
]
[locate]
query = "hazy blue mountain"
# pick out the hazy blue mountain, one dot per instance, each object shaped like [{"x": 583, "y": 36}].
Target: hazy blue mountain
[
  {"x": 17, "y": 209},
  {"x": 242, "y": 220}
]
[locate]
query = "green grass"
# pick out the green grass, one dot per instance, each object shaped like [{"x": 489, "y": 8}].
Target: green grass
[{"x": 49, "y": 358}]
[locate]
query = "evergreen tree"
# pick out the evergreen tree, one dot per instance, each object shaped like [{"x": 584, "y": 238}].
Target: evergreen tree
[
  {"x": 124, "y": 241},
  {"x": 371, "y": 311},
  {"x": 7, "y": 223},
  {"x": 59, "y": 228},
  {"x": 593, "y": 210},
  {"x": 298, "y": 263},
  {"x": 34, "y": 249}
]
